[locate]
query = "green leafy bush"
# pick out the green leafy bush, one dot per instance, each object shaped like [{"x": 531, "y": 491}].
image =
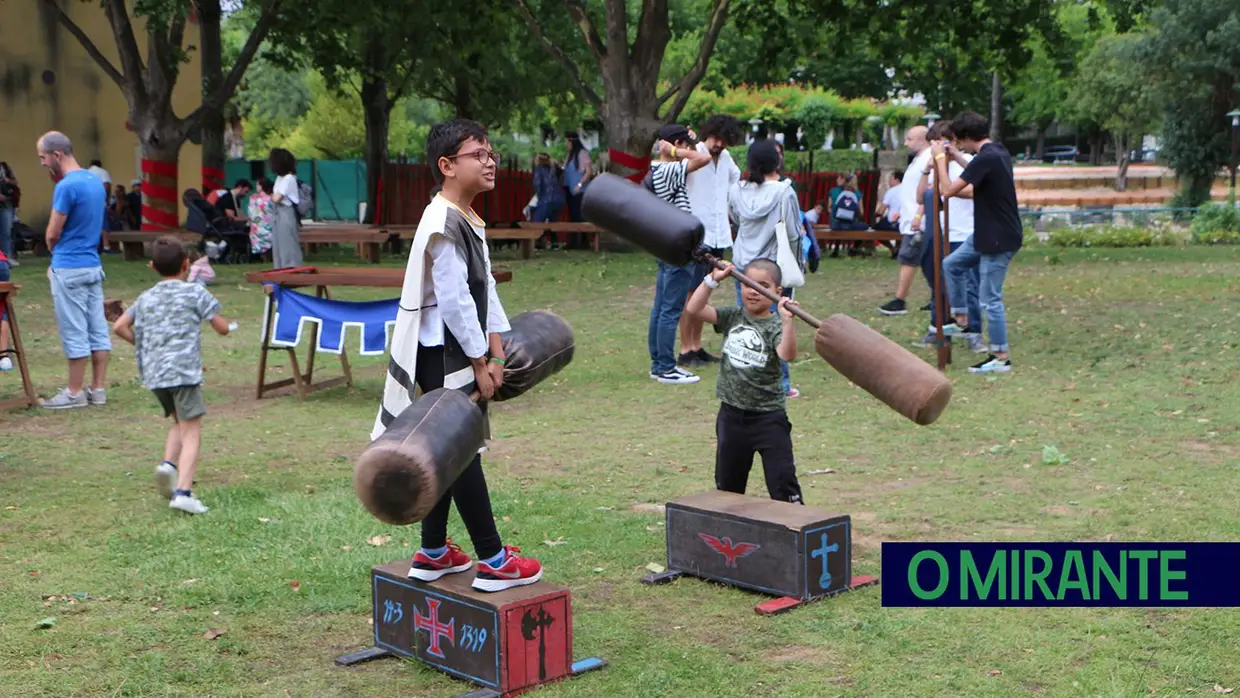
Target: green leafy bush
[
  {"x": 1114, "y": 236},
  {"x": 823, "y": 160},
  {"x": 1217, "y": 224}
]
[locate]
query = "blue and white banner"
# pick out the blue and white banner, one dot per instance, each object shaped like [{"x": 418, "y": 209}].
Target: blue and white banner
[{"x": 294, "y": 311}]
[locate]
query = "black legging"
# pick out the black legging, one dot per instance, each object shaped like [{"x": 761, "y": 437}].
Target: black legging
[{"x": 473, "y": 500}]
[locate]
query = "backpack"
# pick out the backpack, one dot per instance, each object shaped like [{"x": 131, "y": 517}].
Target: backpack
[
  {"x": 648, "y": 180},
  {"x": 306, "y": 194},
  {"x": 846, "y": 207}
]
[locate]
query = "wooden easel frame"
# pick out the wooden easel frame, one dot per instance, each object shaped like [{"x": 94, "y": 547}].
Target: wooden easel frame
[
  {"x": 29, "y": 399},
  {"x": 304, "y": 381}
]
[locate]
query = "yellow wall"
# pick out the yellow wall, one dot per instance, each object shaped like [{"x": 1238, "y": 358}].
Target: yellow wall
[{"x": 80, "y": 101}]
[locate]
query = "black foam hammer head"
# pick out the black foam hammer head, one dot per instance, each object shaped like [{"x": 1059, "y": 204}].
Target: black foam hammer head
[{"x": 636, "y": 214}]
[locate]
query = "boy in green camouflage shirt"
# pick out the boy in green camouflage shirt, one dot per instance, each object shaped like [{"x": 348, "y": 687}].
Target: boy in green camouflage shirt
[{"x": 752, "y": 415}]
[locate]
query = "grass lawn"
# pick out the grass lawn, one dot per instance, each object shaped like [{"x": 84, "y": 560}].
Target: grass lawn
[{"x": 1123, "y": 361}]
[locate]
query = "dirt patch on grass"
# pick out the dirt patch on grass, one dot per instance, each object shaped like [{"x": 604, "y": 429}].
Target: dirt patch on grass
[
  {"x": 1212, "y": 453},
  {"x": 793, "y": 654}
]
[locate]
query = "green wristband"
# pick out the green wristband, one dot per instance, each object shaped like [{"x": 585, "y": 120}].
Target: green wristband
[{"x": 497, "y": 360}]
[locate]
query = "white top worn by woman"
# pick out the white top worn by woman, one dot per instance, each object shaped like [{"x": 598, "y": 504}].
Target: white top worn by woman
[{"x": 286, "y": 186}]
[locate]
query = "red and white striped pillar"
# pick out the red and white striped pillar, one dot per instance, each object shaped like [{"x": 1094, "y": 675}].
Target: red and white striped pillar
[{"x": 159, "y": 195}]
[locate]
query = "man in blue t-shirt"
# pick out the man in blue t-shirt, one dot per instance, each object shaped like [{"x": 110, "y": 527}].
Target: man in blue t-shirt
[{"x": 76, "y": 274}]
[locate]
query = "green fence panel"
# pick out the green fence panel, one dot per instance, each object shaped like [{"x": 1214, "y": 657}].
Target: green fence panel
[
  {"x": 339, "y": 185},
  {"x": 234, "y": 170}
]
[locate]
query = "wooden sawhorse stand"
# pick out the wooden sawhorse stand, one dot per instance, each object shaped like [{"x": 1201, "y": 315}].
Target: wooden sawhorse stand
[
  {"x": 304, "y": 381},
  {"x": 29, "y": 399}
]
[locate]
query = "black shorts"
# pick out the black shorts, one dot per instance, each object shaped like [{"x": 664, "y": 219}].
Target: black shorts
[{"x": 910, "y": 252}]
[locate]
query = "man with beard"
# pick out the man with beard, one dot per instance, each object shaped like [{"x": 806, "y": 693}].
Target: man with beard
[
  {"x": 76, "y": 273},
  {"x": 708, "y": 199}
]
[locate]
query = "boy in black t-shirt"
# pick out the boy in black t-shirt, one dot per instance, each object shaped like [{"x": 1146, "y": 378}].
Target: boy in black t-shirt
[{"x": 997, "y": 232}]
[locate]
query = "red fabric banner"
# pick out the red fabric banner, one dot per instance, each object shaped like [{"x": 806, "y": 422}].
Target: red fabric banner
[{"x": 640, "y": 165}]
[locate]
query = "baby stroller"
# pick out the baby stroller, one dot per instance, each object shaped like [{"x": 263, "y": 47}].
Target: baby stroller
[{"x": 219, "y": 245}]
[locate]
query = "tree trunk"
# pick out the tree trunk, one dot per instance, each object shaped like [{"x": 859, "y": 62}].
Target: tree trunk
[
  {"x": 996, "y": 107},
  {"x": 377, "y": 109},
  {"x": 1095, "y": 148},
  {"x": 1121, "y": 158},
  {"x": 209, "y": 17},
  {"x": 630, "y": 118},
  {"x": 461, "y": 97},
  {"x": 160, "y": 192},
  {"x": 1040, "y": 148}
]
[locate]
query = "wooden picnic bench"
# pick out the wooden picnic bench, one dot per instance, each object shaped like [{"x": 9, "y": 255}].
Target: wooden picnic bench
[
  {"x": 565, "y": 227},
  {"x": 525, "y": 237},
  {"x": 888, "y": 238},
  {"x": 368, "y": 240},
  {"x": 133, "y": 243}
]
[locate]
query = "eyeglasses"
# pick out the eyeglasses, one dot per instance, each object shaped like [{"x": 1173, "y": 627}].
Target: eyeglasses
[{"x": 480, "y": 155}]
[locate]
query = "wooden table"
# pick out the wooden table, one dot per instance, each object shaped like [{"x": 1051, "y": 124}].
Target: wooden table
[
  {"x": 321, "y": 278},
  {"x": 8, "y": 291}
]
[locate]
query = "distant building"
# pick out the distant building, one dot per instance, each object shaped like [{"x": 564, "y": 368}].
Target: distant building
[{"x": 48, "y": 82}]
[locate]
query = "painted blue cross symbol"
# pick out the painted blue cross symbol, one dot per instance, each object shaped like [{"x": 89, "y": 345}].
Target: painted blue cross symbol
[{"x": 824, "y": 581}]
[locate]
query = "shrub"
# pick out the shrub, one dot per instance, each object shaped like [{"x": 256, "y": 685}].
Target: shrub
[
  {"x": 824, "y": 160},
  {"x": 1217, "y": 224},
  {"x": 1114, "y": 236}
]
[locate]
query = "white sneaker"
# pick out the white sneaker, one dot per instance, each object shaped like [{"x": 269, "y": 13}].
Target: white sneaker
[
  {"x": 6, "y": 364},
  {"x": 677, "y": 377},
  {"x": 189, "y": 505},
  {"x": 96, "y": 398},
  {"x": 166, "y": 479}
]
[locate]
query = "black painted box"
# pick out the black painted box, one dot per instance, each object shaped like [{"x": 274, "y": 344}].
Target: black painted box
[{"x": 774, "y": 547}]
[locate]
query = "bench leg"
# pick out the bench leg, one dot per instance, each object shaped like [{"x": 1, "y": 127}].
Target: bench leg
[
  {"x": 527, "y": 249},
  {"x": 132, "y": 251},
  {"x": 15, "y": 335},
  {"x": 594, "y": 241},
  {"x": 372, "y": 252}
]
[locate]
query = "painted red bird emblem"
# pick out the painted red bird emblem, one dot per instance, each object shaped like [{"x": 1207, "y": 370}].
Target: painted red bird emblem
[{"x": 730, "y": 551}]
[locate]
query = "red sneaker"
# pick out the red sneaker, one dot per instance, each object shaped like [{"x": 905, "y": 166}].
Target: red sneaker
[
  {"x": 515, "y": 572},
  {"x": 427, "y": 569}
]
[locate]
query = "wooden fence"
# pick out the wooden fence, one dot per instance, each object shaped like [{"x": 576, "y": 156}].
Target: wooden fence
[{"x": 405, "y": 189}]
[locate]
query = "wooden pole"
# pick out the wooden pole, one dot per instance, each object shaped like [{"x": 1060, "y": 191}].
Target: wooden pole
[{"x": 942, "y": 343}]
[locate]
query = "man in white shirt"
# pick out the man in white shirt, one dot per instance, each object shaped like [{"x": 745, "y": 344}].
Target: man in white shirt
[
  {"x": 910, "y": 245},
  {"x": 888, "y": 213},
  {"x": 959, "y": 230},
  {"x": 708, "y": 199}
]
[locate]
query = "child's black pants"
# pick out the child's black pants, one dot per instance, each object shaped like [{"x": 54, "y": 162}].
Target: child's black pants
[
  {"x": 473, "y": 501},
  {"x": 740, "y": 434}
]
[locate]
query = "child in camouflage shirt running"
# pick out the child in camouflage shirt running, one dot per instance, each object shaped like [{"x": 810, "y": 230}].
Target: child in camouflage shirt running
[
  {"x": 752, "y": 415},
  {"x": 165, "y": 325}
]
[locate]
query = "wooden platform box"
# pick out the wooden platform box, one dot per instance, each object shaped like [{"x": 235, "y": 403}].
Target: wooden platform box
[
  {"x": 786, "y": 550},
  {"x": 507, "y": 642}
]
